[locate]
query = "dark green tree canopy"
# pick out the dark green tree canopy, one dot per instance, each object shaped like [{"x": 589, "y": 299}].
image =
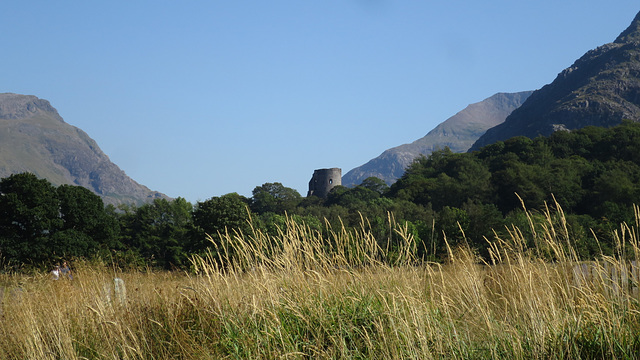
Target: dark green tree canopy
[
  {"x": 29, "y": 216},
  {"x": 40, "y": 223},
  {"x": 161, "y": 231},
  {"x": 375, "y": 184},
  {"x": 444, "y": 179},
  {"x": 87, "y": 226},
  {"x": 275, "y": 198},
  {"x": 229, "y": 212}
]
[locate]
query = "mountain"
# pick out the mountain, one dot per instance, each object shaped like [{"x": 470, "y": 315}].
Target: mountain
[
  {"x": 34, "y": 138},
  {"x": 458, "y": 132},
  {"x": 602, "y": 88}
]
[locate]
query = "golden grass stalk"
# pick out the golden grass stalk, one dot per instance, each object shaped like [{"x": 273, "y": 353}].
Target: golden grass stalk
[{"x": 304, "y": 295}]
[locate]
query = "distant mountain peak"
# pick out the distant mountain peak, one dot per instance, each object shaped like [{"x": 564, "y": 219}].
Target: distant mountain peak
[
  {"x": 632, "y": 33},
  {"x": 457, "y": 133},
  {"x": 34, "y": 138},
  {"x": 601, "y": 88},
  {"x": 16, "y": 106}
]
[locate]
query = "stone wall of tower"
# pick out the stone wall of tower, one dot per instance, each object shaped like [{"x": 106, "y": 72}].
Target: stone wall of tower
[{"x": 323, "y": 181}]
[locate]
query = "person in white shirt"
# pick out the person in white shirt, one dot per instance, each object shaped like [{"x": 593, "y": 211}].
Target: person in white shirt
[{"x": 56, "y": 272}]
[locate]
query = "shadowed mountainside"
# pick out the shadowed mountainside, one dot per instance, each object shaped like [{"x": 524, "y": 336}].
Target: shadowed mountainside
[{"x": 602, "y": 88}]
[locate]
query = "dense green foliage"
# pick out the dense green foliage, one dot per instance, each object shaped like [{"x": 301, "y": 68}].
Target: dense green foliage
[{"x": 443, "y": 200}]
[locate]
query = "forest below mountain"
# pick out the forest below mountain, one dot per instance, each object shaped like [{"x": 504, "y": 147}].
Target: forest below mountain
[{"x": 444, "y": 200}]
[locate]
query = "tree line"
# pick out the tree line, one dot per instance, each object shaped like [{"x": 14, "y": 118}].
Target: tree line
[{"x": 445, "y": 199}]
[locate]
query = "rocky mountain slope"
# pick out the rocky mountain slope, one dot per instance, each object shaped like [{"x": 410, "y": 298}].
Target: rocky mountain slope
[
  {"x": 34, "y": 138},
  {"x": 602, "y": 88},
  {"x": 458, "y": 132}
]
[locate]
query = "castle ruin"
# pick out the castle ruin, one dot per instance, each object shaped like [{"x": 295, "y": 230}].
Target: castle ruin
[{"x": 323, "y": 181}]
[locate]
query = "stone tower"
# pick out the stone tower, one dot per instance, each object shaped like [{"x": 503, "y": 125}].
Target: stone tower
[{"x": 323, "y": 181}]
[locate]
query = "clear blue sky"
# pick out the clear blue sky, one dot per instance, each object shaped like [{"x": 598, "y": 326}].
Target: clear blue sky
[{"x": 203, "y": 98}]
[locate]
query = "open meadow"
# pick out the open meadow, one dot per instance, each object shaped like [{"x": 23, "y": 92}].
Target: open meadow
[{"x": 301, "y": 295}]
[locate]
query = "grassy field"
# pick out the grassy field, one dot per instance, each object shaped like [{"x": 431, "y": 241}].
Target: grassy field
[{"x": 303, "y": 296}]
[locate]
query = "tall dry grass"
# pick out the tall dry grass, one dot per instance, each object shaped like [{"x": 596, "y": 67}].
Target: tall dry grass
[{"x": 300, "y": 295}]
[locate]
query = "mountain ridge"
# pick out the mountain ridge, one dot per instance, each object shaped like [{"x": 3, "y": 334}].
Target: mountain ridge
[
  {"x": 35, "y": 138},
  {"x": 457, "y": 132},
  {"x": 601, "y": 88}
]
